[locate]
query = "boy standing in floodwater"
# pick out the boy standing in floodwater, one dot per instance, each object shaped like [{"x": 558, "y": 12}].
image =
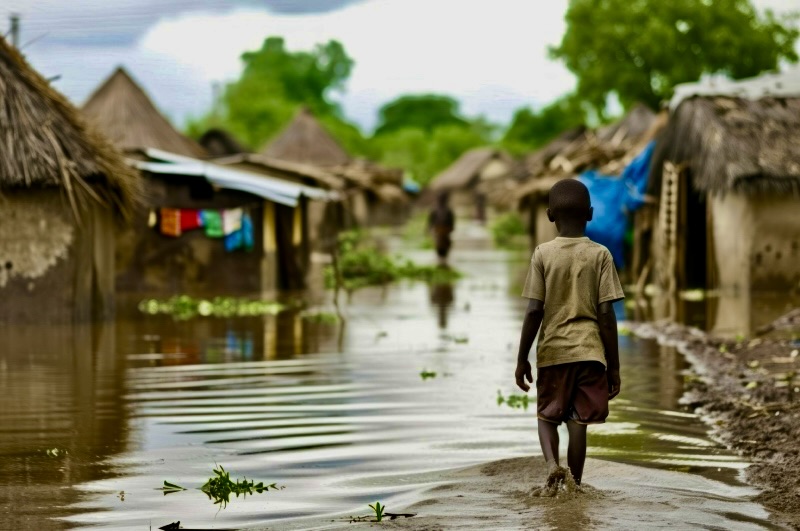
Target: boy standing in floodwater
[{"x": 571, "y": 284}]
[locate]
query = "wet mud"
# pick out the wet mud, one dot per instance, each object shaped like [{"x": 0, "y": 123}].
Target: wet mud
[{"x": 748, "y": 391}]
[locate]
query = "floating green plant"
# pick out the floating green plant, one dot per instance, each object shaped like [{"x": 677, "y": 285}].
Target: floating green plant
[
  {"x": 184, "y": 307},
  {"x": 513, "y": 400},
  {"x": 425, "y": 374},
  {"x": 220, "y": 486}
]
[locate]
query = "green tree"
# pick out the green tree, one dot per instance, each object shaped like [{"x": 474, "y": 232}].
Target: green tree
[
  {"x": 420, "y": 111},
  {"x": 531, "y": 129},
  {"x": 274, "y": 84},
  {"x": 641, "y": 49}
]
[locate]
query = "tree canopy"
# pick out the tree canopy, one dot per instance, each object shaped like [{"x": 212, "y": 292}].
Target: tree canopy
[
  {"x": 640, "y": 49},
  {"x": 531, "y": 129},
  {"x": 419, "y": 111},
  {"x": 274, "y": 84}
]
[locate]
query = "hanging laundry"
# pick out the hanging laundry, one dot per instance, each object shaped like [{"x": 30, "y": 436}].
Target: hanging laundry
[
  {"x": 242, "y": 238},
  {"x": 247, "y": 232},
  {"x": 190, "y": 219},
  {"x": 170, "y": 222},
  {"x": 231, "y": 220},
  {"x": 211, "y": 221}
]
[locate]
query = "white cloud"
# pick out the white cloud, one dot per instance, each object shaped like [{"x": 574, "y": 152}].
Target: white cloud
[{"x": 491, "y": 55}]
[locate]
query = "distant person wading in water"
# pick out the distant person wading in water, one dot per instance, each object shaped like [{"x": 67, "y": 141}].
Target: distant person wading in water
[{"x": 441, "y": 223}]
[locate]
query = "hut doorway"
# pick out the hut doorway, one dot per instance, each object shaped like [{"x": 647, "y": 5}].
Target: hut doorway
[{"x": 695, "y": 239}]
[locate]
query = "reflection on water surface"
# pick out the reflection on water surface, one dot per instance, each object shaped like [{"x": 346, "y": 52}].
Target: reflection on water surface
[{"x": 274, "y": 398}]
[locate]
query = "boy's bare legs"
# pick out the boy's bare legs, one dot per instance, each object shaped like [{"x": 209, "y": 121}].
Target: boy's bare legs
[
  {"x": 548, "y": 438},
  {"x": 576, "y": 452}
]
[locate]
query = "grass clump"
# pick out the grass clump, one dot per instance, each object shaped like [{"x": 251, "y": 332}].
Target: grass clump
[
  {"x": 426, "y": 374},
  {"x": 185, "y": 307},
  {"x": 506, "y": 230},
  {"x": 360, "y": 264},
  {"x": 320, "y": 317}
]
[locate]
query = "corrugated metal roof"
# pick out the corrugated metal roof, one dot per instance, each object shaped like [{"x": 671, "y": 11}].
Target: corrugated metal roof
[
  {"x": 780, "y": 85},
  {"x": 258, "y": 184}
]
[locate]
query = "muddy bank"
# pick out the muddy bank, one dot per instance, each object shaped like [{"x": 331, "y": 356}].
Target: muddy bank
[{"x": 748, "y": 390}]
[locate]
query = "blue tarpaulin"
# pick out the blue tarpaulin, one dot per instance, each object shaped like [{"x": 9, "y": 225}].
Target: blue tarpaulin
[{"x": 613, "y": 198}]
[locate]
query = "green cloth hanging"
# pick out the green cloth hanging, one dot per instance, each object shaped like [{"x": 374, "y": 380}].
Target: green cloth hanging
[{"x": 212, "y": 223}]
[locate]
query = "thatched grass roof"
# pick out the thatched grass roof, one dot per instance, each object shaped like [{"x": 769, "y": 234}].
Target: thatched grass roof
[
  {"x": 466, "y": 170},
  {"x": 307, "y": 142},
  {"x": 608, "y": 149},
  {"x": 121, "y": 109},
  {"x": 221, "y": 143},
  {"x": 733, "y": 144},
  {"x": 45, "y": 143}
]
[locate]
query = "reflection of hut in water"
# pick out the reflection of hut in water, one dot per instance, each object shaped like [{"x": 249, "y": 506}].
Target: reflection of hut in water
[
  {"x": 608, "y": 150},
  {"x": 64, "y": 389},
  {"x": 477, "y": 180},
  {"x": 727, "y": 172},
  {"x": 375, "y": 194},
  {"x": 62, "y": 186}
]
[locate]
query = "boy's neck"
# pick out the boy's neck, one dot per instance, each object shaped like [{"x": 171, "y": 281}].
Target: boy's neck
[{"x": 571, "y": 230}]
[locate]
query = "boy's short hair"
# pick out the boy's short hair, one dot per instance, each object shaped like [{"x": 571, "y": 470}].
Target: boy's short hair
[{"x": 569, "y": 197}]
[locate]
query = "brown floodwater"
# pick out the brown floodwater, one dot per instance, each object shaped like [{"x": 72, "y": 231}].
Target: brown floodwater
[{"x": 340, "y": 418}]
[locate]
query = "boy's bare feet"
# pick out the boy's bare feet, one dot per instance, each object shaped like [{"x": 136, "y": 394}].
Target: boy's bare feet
[{"x": 559, "y": 479}]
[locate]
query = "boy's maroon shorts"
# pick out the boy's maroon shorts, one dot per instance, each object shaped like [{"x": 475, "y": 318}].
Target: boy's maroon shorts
[{"x": 572, "y": 391}]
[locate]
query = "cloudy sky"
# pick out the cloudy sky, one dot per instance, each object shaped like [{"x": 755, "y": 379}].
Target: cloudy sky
[{"x": 490, "y": 54}]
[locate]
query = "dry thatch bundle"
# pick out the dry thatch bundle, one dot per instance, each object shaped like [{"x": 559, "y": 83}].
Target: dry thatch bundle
[
  {"x": 733, "y": 144},
  {"x": 306, "y": 141},
  {"x": 608, "y": 149},
  {"x": 44, "y": 143},
  {"x": 125, "y": 114},
  {"x": 221, "y": 143}
]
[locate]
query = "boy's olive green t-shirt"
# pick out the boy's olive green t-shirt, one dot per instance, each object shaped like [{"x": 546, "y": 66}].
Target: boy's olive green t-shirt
[{"x": 572, "y": 276}]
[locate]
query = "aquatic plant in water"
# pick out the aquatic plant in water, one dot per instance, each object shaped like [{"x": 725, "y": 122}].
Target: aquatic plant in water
[
  {"x": 513, "y": 400},
  {"x": 361, "y": 265},
  {"x": 425, "y": 374},
  {"x": 184, "y": 307},
  {"x": 220, "y": 486}
]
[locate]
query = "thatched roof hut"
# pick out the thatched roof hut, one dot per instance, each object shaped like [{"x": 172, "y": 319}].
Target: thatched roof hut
[
  {"x": 44, "y": 143},
  {"x": 733, "y": 144},
  {"x": 121, "y": 109},
  {"x": 306, "y": 141},
  {"x": 466, "y": 170},
  {"x": 221, "y": 143}
]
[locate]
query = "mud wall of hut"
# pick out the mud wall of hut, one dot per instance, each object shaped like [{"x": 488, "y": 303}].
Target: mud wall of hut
[
  {"x": 54, "y": 267},
  {"x": 149, "y": 262},
  {"x": 756, "y": 242}
]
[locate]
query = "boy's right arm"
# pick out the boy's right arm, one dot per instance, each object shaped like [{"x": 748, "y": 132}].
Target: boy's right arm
[{"x": 530, "y": 327}]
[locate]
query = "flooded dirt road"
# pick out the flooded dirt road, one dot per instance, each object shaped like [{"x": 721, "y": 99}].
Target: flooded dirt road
[{"x": 93, "y": 421}]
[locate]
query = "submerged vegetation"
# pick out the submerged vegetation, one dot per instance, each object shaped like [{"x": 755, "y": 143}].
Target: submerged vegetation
[
  {"x": 184, "y": 307},
  {"x": 361, "y": 264},
  {"x": 220, "y": 486}
]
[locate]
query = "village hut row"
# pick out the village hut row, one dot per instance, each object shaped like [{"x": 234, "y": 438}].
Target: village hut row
[
  {"x": 280, "y": 204},
  {"x": 705, "y": 195}
]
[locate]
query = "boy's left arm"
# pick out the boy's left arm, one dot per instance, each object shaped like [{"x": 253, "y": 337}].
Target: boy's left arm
[
  {"x": 607, "y": 322},
  {"x": 530, "y": 327}
]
